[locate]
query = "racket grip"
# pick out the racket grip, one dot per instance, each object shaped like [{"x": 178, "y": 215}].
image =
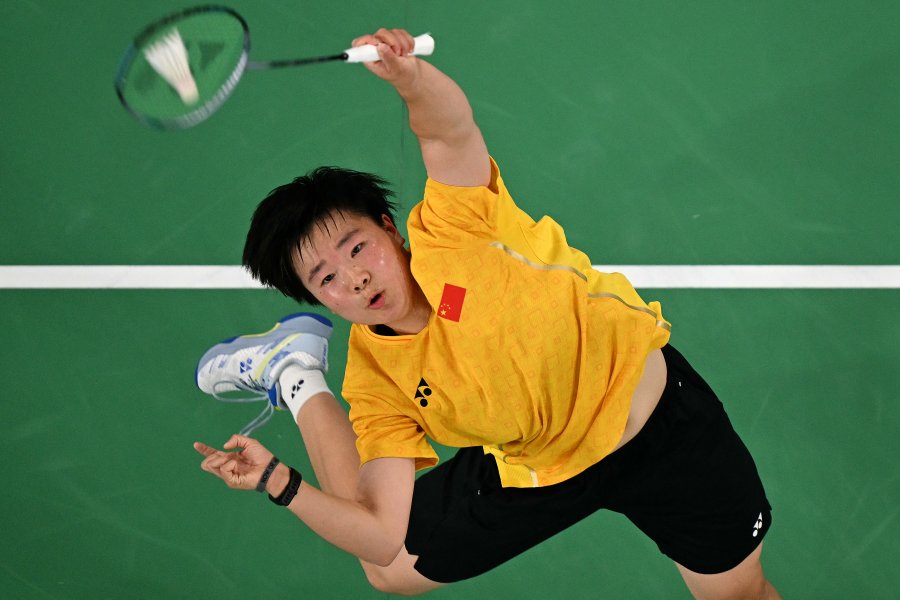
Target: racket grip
[{"x": 368, "y": 53}]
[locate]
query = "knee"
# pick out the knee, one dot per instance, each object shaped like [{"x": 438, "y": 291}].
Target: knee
[
  {"x": 763, "y": 590},
  {"x": 744, "y": 582},
  {"x": 754, "y": 590}
]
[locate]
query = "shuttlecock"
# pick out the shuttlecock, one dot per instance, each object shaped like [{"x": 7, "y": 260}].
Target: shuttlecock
[{"x": 169, "y": 58}]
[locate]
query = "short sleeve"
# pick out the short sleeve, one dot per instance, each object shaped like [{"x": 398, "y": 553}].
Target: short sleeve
[
  {"x": 384, "y": 432},
  {"x": 450, "y": 216}
]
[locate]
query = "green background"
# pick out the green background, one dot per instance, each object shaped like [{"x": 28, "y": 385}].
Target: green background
[{"x": 655, "y": 132}]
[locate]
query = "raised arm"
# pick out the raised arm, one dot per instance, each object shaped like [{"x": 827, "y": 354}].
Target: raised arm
[{"x": 453, "y": 148}]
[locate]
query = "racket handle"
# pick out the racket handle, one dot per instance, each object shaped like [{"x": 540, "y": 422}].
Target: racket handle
[{"x": 368, "y": 53}]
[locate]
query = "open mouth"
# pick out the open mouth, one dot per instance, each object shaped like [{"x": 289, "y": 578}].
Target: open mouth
[{"x": 377, "y": 301}]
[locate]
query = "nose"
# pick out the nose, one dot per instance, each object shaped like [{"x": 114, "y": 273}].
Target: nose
[{"x": 360, "y": 280}]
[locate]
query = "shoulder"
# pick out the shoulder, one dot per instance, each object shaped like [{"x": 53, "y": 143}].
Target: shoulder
[{"x": 471, "y": 209}]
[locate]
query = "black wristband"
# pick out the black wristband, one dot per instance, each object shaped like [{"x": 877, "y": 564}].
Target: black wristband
[
  {"x": 261, "y": 486},
  {"x": 290, "y": 490}
]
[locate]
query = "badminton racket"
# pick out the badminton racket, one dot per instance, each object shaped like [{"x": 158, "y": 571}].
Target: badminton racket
[{"x": 180, "y": 69}]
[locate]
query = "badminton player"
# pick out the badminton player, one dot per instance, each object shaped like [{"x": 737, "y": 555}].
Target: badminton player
[{"x": 490, "y": 334}]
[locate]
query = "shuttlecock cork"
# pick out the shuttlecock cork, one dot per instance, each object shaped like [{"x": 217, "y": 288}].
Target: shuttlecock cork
[{"x": 169, "y": 58}]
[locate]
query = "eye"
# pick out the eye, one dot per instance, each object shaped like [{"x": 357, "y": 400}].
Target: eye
[
  {"x": 356, "y": 249},
  {"x": 327, "y": 279}
]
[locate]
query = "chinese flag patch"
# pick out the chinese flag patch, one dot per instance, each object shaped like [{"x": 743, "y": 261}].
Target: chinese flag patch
[{"x": 451, "y": 302}]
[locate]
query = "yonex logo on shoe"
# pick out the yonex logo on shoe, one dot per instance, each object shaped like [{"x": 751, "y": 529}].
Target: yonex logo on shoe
[
  {"x": 246, "y": 365},
  {"x": 758, "y": 526}
]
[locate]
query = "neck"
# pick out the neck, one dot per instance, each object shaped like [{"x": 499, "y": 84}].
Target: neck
[
  {"x": 417, "y": 317},
  {"x": 413, "y": 323}
]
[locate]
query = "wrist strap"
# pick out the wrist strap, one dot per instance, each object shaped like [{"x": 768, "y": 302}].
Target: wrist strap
[
  {"x": 290, "y": 491},
  {"x": 261, "y": 486}
]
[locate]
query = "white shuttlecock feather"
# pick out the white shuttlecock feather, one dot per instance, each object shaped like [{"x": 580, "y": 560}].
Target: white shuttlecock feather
[{"x": 169, "y": 58}]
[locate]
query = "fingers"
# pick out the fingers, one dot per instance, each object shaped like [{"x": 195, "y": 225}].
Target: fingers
[
  {"x": 227, "y": 466},
  {"x": 229, "y": 470},
  {"x": 203, "y": 448},
  {"x": 399, "y": 41},
  {"x": 395, "y": 47},
  {"x": 213, "y": 462},
  {"x": 237, "y": 468},
  {"x": 216, "y": 458}
]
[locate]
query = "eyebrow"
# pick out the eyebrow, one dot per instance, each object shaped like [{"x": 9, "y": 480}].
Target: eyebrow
[{"x": 344, "y": 239}]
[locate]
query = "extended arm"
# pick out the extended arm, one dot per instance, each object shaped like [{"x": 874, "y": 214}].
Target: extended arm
[
  {"x": 366, "y": 516},
  {"x": 453, "y": 148},
  {"x": 372, "y": 525},
  {"x": 331, "y": 445}
]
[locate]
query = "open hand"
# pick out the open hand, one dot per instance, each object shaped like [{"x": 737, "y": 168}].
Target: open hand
[{"x": 240, "y": 465}]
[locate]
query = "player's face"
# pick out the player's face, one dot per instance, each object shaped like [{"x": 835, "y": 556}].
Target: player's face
[{"x": 360, "y": 270}]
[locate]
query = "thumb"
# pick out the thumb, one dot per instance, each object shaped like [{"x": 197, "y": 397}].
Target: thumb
[{"x": 237, "y": 441}]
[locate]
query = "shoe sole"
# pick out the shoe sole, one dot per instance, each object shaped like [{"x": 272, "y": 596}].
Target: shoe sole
[{"x": 291, "y": 324}]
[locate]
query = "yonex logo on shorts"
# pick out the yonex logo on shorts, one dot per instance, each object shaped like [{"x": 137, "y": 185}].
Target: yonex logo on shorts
[{"x": 758, "y": 526}]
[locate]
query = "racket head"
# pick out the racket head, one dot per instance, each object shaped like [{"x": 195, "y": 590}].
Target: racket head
[{"x": 217, "y": 40}]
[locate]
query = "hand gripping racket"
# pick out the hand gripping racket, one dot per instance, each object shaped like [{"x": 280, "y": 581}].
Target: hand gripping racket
[{"x": 180, "y": 69}]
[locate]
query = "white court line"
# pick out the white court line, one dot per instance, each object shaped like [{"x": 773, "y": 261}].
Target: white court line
[{"x": 641, "y": 276}]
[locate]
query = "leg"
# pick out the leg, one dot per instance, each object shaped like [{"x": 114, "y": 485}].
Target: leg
[
  {"x": 745, "y": 581},
  {"x": 689, "y": 483},
  {"x": 330, "y": 443}
]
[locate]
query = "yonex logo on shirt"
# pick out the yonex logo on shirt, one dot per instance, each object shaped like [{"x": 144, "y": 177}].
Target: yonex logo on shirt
[{"x": 422, "y": 393}]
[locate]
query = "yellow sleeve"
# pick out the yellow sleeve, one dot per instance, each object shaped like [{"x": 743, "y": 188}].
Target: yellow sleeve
[
  {"x": 382, "y": 432},
  {"x": 451, "y": 217}
]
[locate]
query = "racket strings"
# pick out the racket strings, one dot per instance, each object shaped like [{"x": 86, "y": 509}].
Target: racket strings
[
  {"x": 221, "y": 95},
  {"x": 209, "y": 52}
]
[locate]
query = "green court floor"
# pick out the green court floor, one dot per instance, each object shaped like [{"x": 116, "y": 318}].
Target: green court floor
[{"x": 656, "y": 133}]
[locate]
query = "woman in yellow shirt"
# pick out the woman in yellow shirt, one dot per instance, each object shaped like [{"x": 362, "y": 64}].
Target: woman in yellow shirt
[{"x": 490, "y": 334}]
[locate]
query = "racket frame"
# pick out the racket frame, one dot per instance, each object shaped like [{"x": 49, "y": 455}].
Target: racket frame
[{"x": 204, "y": 111}]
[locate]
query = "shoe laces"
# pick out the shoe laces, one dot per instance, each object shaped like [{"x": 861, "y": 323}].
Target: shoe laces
[{"x": 257, "y": 393}]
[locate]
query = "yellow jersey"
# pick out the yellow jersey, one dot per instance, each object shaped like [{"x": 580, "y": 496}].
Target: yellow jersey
[{"x": 529, "y": 351}]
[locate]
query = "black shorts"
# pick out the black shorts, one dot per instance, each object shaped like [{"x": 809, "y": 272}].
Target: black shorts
[{"x": 686, "y": 480}]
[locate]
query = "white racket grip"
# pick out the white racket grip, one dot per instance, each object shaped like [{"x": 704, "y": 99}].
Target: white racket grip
[{"x": 368, "y": 53}]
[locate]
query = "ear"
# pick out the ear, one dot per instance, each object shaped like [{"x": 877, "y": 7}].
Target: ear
[{"x": 388, "y": 225}]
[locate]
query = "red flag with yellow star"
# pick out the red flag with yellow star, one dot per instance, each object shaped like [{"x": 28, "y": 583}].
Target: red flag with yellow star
[{"x": 452, "y": 302}]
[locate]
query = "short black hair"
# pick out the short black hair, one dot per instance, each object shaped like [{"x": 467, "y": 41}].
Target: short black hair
[{"x": 285, "y": 218}]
